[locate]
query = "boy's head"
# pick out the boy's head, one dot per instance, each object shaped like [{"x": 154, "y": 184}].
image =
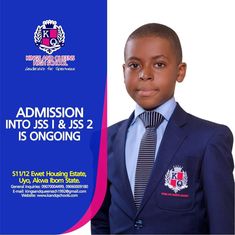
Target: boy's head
[{"x": 153, "y": 64}]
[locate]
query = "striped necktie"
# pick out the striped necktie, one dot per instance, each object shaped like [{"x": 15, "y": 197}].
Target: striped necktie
[{"x": 146, "y": 157}]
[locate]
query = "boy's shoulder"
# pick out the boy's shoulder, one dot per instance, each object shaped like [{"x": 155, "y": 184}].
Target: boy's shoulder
[
  {"x": 113, "y": 129},
  {"x": 198, "y": 121},
  {"x": 195, "y": 124},
  {"x": 125, "y": 122}
]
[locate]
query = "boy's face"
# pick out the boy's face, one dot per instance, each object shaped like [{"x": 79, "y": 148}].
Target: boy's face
[{"x": 151, "y": 71}]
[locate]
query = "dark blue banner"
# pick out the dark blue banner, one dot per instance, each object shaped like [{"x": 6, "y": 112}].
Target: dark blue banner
[{"x": 53, "y": 114}]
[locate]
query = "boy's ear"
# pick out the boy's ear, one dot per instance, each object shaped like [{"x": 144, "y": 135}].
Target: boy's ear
[
  {"x": 123, "y": 69},
  {"x": 182, "y": 67}
]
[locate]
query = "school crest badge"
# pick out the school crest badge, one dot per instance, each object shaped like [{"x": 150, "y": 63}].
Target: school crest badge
[
  {"x": 176, "y": 179},
  {"x": 49, "y": 36}
]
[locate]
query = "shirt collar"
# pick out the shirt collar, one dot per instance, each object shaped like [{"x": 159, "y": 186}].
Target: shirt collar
[{"x": 166, "y": 109}]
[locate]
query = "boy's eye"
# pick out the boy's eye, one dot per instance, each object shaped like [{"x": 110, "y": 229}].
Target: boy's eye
[
  {"x": 133, "y": 65},
  {"x": 160, "y": 65}
]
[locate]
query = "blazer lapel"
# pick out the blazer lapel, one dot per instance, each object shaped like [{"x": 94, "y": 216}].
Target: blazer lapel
[
  {"x": 173, "y": 137},
  {"x": 119, "y": 153}
]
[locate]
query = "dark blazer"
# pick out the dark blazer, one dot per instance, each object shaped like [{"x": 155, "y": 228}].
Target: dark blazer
[{"x": 200, "y": 151}]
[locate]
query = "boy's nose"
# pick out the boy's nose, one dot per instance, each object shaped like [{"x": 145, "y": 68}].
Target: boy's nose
[{"x": 145, "y": 74}]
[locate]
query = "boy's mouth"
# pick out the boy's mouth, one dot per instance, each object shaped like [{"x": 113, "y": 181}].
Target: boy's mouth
[{"x": 147, "y": 92}]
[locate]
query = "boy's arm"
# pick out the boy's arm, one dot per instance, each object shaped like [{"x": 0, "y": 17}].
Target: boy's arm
[
  {"x": 218, "y": 182},
  {"x": 100, "y": 223}
]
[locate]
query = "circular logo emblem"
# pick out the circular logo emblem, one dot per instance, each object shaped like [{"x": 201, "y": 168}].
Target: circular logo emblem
[
  {"x": 176, "y": 179},
  {"x": 49, "y": 36}
]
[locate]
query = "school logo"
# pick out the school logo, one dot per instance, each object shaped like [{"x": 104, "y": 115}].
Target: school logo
[
  {"x": 176, "y": 179},
  {"x": 49, "y": 36}
]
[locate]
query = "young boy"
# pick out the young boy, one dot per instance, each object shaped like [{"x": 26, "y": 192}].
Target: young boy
[{"x": 172, "y": 175}]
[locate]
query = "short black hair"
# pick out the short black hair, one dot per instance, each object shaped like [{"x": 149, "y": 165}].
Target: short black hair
[{"x": 159, "y": 30}]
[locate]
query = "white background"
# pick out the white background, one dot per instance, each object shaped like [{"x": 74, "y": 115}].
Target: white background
[{"x": 207, "y": 32}]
